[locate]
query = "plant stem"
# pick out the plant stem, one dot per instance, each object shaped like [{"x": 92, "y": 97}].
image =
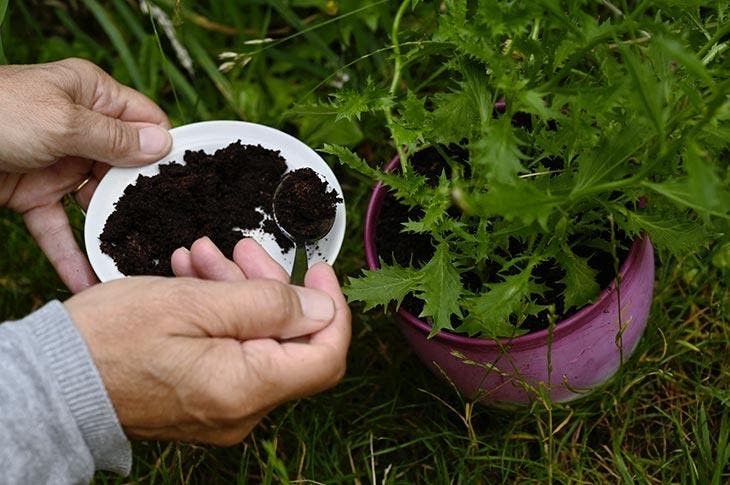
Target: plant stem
[
  {"x": 396, "y": 47},
  {"x": 398, "y": 64},
  {"x": 719, "y": 33}
]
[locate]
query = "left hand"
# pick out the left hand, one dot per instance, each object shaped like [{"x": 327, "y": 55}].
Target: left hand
[{"x": 62, "y": 124}]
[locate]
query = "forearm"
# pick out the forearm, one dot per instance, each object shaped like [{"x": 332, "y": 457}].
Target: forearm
[{"x": 57, "y": 423}]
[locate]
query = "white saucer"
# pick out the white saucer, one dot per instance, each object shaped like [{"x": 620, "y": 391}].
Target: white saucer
[{"x": 210, "y": 136}]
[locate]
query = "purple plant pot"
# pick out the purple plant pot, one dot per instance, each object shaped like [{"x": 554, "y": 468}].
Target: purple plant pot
[{"x": 582, "y": 351}]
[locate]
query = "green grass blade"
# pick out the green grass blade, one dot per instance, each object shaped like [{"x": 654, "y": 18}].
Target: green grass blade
[
  {"x": 204, "y": 60},
  {"x": 117, "y": 40},
  {"x": 130, "y": 19},
  {"x": 178, "y": 80},
  {"x": 3, "y": 11},
  {"x": 165, "y": 63},
  {"x": 77, "y": 31},
  {"x": 723, "y": 449},
  {"x": 291, "y": 17}
]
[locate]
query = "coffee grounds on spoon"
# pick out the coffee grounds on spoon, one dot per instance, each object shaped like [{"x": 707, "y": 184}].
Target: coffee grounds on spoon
[{"x": 307, "y": 208}]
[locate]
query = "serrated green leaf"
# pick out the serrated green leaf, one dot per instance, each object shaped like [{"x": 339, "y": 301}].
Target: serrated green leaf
[
  {"x": 702, "y": 181},
  {"x": 409, "y": 187},
  {"x": 680, "y": 193},
  {"x": 350, "y": 159},
  {"x": 453, "y": 113},
  {"x": 646, "y": 89},
  {"x": 557, "y": 12},
  {"x": 497, "y": 152},
  {"x": 668, "y": 231},
  {"x": 608, "y": 161},
  {"x": 580, "y": 282},
  {"x": 439, "y": 202},
  {"x": 351, "y": 104},
  {"x": 416, "y": 227},
  {"x": 476, "y": 86},
  {"x": 384, "y": 286},
  {"x": 473, "y": 326},
  {"x": 522, "y": 201},
  {"x": 414, "y": 110},
  {"x": 316, "y": 130},
  {"x": 533, "y": 102},
  {"x": 681, "y": 55},
  {"x": 404, "y": 135},
  {"x": 440, "y": 289},
  {"x": 408, "y": 129},
  {"x": 489, "y": 312}
]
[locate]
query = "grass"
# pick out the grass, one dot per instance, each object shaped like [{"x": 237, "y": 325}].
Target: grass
[{"x": 664, "y": 419}]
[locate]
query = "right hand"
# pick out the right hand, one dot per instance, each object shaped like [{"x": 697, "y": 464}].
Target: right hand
[{"x": 195, "y": 360}]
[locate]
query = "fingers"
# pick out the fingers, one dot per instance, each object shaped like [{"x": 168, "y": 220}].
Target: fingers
[
  {"x": 210, "y": 264},
  {"x": 256, "y": 262},
  {"x": 337, "y": 335},
  {"x": 50, "y": 227},
  {"x": 83, "y": 196},
  {"x": 254, "y": 309},
  {"x": 99, "y": 137},
  {"x": 204, "y": 260},
  {"x": 300, "y": 369},
  {"x": 107, "y": 121},
  {"x": 182, "y": 264}
]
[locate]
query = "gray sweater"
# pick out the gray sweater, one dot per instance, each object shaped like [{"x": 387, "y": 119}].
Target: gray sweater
[{"x": 57, "y": 423}]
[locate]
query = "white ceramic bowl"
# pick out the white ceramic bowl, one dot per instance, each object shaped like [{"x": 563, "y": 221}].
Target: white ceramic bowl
[{"x": 210, "y": 136}]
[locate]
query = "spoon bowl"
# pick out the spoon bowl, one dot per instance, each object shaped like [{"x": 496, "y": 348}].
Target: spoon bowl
[{"x": 305, "y": 212}]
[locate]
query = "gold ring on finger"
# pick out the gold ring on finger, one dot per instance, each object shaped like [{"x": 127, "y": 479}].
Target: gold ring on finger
[{"x": 81, "y": 185}]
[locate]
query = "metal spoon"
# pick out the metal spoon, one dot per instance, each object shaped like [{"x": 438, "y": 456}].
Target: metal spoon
[{"x": 301, "y": 263}]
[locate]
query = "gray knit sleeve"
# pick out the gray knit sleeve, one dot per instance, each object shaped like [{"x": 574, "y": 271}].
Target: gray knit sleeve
[{"x": 57, "y": 423}]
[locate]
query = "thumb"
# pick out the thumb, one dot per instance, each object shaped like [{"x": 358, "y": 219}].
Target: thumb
[
  {"x": 258, "y": 309},
  {"x": 117, "y": 142}
]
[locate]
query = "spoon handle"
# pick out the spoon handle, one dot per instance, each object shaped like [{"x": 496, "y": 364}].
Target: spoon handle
[{"x": 300, "y": 265}]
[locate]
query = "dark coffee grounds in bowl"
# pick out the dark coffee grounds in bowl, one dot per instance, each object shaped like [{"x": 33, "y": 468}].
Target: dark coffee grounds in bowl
[{"x": 215, "y": 195}]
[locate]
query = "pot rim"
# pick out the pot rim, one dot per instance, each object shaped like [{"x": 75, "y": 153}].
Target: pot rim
[{"x": 576, "y": 320}]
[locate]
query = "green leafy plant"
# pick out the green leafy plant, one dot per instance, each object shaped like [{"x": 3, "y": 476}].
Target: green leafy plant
[{"x": 584, "y": 124}]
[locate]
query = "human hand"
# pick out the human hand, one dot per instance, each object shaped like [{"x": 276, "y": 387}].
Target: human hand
[
  {"x": 189, "y": 359},
  {"x": 63, "y": 123},
  {"x": 204, "y": 260}
]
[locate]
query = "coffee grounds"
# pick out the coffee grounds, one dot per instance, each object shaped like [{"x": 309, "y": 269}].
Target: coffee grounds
[
  {"x": 210, "y": 195},
  {"x": 305, "y": 207}
]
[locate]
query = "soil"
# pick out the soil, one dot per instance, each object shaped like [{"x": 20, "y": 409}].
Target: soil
[
  {"x": 215, "y": 195},
  {"x": 417, "y": 249},
  {"x": 305, "y": 206}
]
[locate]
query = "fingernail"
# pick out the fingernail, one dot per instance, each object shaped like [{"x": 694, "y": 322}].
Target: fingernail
[
  {"x": 316, "y": 304},
  {"x": 203, "y": 240},
  {"x": 153, "y": 140}
]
